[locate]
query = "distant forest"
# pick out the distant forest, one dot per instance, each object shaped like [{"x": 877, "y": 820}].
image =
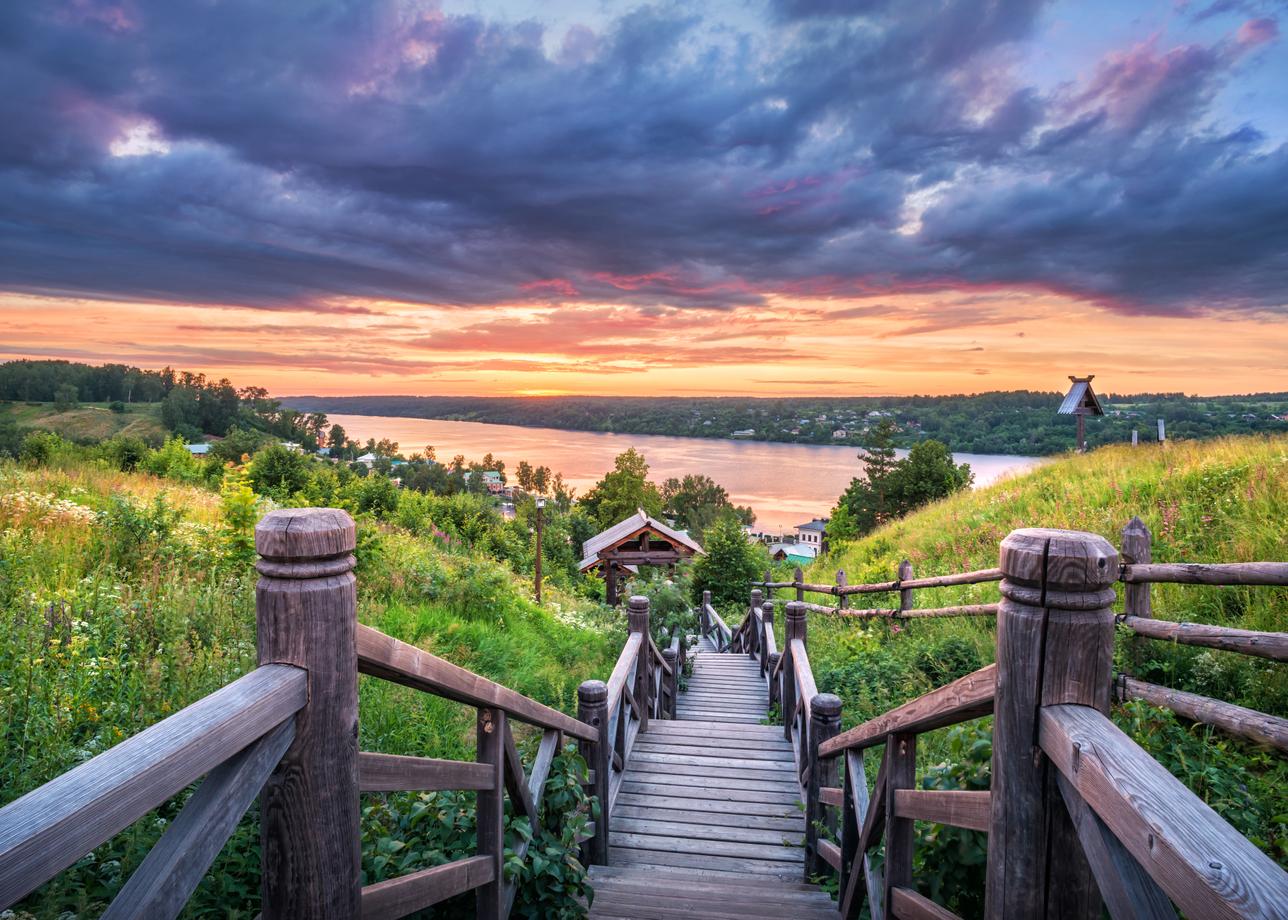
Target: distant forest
[{"x": 1019, "y": 422}]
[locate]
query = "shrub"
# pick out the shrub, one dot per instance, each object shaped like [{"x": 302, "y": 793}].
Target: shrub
[
  {"x": 172, "y": 460},
  {"x": 117, "y": 406},
  {"x": 278, "y": 472},
  {"x": 730, "y": 563},
  {"x": 944, "y": 660},
  {"x": 40, "y": 447}
]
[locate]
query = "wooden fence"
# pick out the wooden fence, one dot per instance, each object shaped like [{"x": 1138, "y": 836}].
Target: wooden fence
[
  {"x": 288, "y": 733},
  {"x": 1091, "y": 820}
]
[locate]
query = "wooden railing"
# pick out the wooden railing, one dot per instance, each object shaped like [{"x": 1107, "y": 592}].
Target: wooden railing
[
  {"x": 903, "y": 585},
  {"x": 288, "y": 733},
  {"x": 643, "y": 686},
  {"x": 1104, "y": 823}
]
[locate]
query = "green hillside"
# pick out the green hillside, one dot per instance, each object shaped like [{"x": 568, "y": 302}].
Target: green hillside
[
  {"x": 1223, "y": 500},
  {"x": 89, "y": 422}
]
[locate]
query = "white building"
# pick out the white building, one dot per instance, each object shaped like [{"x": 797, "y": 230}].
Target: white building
[{"x": 811, "y": 534}]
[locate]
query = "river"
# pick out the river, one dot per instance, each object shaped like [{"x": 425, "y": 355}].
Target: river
[{"x": 786, "y": 484}]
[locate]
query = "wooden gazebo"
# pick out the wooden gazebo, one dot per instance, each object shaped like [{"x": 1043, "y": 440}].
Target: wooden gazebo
[
  {"x": 638, "y": 540},
  {"x": 1081, "y": 401}
]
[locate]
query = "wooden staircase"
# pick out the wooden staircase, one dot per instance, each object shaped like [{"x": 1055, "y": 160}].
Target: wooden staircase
[{"x": 709, "y": 822}]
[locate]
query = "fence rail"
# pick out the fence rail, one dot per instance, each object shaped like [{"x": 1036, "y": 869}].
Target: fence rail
[{"x": 1112, "y": 827}]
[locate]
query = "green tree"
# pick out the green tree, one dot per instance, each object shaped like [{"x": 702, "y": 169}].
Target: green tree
[
  {"x": 696, "y": 501},
  {"x": 278, "y": 472},
  {"x": 927, "y": 474},
  {"x": 623, "y": 491},
  {"x": 891, "y": 488},
  {"x": 731, "y": 563},
  {"x": 66, "y": 397}
]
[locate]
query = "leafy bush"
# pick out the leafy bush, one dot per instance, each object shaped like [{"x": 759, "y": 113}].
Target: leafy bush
[
  {"x": 945, "y": 659},
  {"x": 173, "y": 460},
  {"x": 730, "y": 563}
]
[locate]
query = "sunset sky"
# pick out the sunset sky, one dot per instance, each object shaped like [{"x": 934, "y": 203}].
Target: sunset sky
[{"x": 776, "y": 197}]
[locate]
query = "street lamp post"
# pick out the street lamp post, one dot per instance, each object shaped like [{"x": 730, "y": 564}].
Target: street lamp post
[{"x": 541, "y": 504}]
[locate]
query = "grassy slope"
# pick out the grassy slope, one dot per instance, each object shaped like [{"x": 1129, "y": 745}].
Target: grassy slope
[
  {"x": 101, "y": 635},
  {"x": 1213, "y": 501},
  {"x": 91, "y": 421}
]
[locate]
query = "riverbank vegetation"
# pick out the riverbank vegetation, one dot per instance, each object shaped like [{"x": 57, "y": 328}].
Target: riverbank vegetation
[
  {"x": 1221, "y": 500},
  {"x": 1017, "y": 422}
]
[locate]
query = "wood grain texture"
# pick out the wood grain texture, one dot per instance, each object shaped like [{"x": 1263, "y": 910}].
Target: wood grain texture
[
  {"x": 901, "y": 773},
  {"x": 860, "y": 880},
  {"x": 310, "y": 858},
  {"x": 51, "y": 827},
  {"x": 386, "y": 657},
  {"x": 956, "y": 808},
  {"x": 592, "y": 700},
  {"x": 167, "y": 877},
  {"x": 1136, "y": 550},
  {"x": 1202, "y": 863},
  {"x": 491, "y": 727},
  {"x": 1272, "y": 645},
  {"x": 1235, "y": 720},
  {"x": 825, "y": 722},
  {"x": 1128, "y": 891},
  {"x": 906, "y": 904},
  {"x": 1054, "y": 645},
  {"x": 398, "y": 897},
  {"x": 1201, "y": 573},
  {"x": 966, "y": 698},
  {"x": 396, "y": 773}
]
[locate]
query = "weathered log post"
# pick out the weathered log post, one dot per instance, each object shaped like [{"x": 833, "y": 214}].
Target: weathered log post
[
  {"x": 306, "y": 612},
  {"x": 592, "y": 708},
  {"x": 671, "y": 681},
  {"x": 775, "y": 694},
  {"x": 705, "y": 619},
  {"x": 766, "y": 630},
  {"x": 825, "y": 721},
  {"x": 1055, "y": 633},
  {"x": 794, "y": 629},
  {"x": 901, "y": 773},
  {"x": 637, "y": 622},
  {"x": 752, "y": 647},
  {"x": 842, "y": 600},
  {"x": 798, "y": 577},
  {"x": 1136, "y": 548},
  {"x": 906, "y": 600},
  {"x": 489, "y": 806}
]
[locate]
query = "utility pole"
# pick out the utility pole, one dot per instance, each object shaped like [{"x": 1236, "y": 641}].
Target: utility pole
[{"x": 541, "y": 505}]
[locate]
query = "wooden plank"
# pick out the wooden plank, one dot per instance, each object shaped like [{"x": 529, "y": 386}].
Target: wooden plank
[
  {"x": 752, "y": 851},
  {"x": 873, "y": 826},
  {"x": 956, "y": 808},
  {"x": 386, "y": 657},
  {"x": 51, "y": 827},
  {"x": 1272, "y": 645},
  {"x": 398, "y": 897},
  {"x": 170, "y": 873},
  {"x": 864, "y": 878},
  {"x": 906, "y": 904},
  {"x": 626, "y": 856},
  {"x": 831, "y": 853},
  {"x": 831, "y": 795},
  {"x": 489, "y": 808},
  {"x": 647, "y": 785},
  {"x": 1128, "y": 891},
  {"x": 724, "y": 762},
  {"x": 1235, "y": 720},
  {"x": 655, "y": 827},
  {"x": 1206, "y": 573},
  {"x": 516, "y": 784},
  {"x": 551, "y": 741},
  {"x": 979, "y": 576},
  {"x": 787, "y": 819},
  {"x": 968, "y": 697},
  {"x": 901, "y": 773},
  {"x": 1202, "y": 863},
  {"x": 396, "y": 773}
]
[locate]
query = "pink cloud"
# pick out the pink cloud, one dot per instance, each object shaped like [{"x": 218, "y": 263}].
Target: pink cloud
[{"x": 1257, "y": 32}]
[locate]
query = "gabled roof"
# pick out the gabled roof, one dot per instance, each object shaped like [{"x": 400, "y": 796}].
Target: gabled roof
[
  {"x": 627, "y": 529},
  {"x": 816, "y": 524},
  {"x": 1081, "y": 399}
]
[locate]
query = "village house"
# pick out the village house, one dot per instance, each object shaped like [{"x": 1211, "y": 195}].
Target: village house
[
  {"x": 811, "y": 533},
  {"x": 198, "y": 450}
]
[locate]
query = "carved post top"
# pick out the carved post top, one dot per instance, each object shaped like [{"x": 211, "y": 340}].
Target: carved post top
[
  {"x": 592, "y": 693},
  {"x": 757, "y": 597},
  {"x": 706, "y": 598},
  {"x": 637, "y": 613},
  {"x": 1066, "y": 569},
  {"x": 795, "y": 628},
  {"x": 671, "y": 655},
  {"x": 826, "y": 707},
  {"x": 1136, "y": 527},
  {"x": 305, "y": 543},
  {"x": 767, "y": 609}
]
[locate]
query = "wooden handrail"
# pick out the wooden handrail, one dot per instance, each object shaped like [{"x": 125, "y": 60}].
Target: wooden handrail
[
  {"x": 806, "y": 689},
  {"x": 719, "y": 621},
  {"x": 966, "y": 698},
  {"x": 626, "y": 662},
  {"x": 1272, "y": 645},
  {"x": 401, "y": 663},
  {"x": 395, "y": 773},
  {"x": 1235, "y": 720},
  {"x": 398, "y": 897},
  {"x": 53, "y": 826},
  {"x": 1206, "y": 573},
  {"x": 1203, "y": 864}
]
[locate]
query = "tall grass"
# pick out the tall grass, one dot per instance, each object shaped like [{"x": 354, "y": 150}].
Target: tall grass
[{"x": 124, "y": 598}]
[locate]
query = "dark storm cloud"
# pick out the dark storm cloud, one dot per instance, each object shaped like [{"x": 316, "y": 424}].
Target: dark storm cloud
[{"x": 324, "y": 152}]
